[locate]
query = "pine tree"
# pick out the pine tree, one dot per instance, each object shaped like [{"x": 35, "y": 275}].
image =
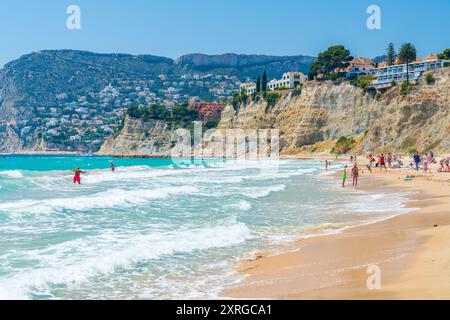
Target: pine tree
[
  {"x": 390, "y": 53},
  {"x": 258, "y": 85},
  {"x": 264, "y": 82}
]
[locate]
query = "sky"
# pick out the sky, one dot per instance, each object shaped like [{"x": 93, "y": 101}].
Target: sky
[{"x": 175, "y": 27}]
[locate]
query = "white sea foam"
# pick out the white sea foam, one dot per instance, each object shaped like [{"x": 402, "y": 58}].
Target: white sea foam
[
  {"x": 244, "y": 205},
  {"x": 15, "y": 174},
  {"x": 261, "y": 192},
  {"x": 73, "y": 262},
  {"x": 386, "y": 202},
  {"x": 106, "y": 199}
]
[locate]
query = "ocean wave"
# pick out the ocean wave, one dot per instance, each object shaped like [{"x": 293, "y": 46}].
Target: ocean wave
[
  {"x": 261, "y": 192},
  {"x": 15, "y": 174},
  {"x": 379, "y": 203},
  {"x": 106, "y": 199},
  {"x": 74, "y": 262}
]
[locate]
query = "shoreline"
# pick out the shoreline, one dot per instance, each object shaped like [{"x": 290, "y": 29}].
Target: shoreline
[{"x": 411, "y": 249}]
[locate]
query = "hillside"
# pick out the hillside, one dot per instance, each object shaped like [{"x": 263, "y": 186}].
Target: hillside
[
  {"x": 324, "y": 112},
  {"x": 244, "y": 65},
  {"x": 62, "y": 99}
]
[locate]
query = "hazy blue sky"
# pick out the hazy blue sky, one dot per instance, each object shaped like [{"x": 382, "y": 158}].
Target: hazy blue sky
[{"x": 175, "y": 27}]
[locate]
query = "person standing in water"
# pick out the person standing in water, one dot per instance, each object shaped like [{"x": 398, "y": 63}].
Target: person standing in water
[
  {"x": 326, "y": 165},
  {"x": 112, "y": 166},
  {"x": 77, "y": 175},
  {"x": 344, "y": 176},
  {"x": 355, "y": 174}
]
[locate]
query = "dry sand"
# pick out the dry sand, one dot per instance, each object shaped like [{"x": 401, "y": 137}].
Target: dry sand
[{"x": 412, "y": 251}]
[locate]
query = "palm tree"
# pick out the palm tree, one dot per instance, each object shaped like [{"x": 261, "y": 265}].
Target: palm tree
[{"x": 407, "y": 54}]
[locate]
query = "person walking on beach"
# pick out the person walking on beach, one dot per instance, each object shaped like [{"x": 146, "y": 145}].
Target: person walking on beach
[
  {"x": 389, "y": 160},
  {"x": 344, "y": 176},
  {"x": 425, "y": 164},
  {"x": 382, "y": 162},
  {"x": 77, "y": 175},
  {"x": 370, "y": 163},
  {"x": 355, "y": 174},
  {"x": 416, "y": 158}
]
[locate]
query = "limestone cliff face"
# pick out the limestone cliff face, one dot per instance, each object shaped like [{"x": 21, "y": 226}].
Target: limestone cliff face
[
  {"x": 321, "y": 113},
  {"x": 324, "y": 112},
  {"x": 138, "y": 137},
  {"x": 9, "y": 139}
]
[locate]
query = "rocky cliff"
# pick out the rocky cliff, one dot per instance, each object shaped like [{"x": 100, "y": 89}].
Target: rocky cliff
[
  {"x": 323, "y": 112},
  {"x": 140, "y": 138}
]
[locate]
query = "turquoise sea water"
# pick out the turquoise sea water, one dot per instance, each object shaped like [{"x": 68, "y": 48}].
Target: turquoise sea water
[{"x": 159, "y": 229}]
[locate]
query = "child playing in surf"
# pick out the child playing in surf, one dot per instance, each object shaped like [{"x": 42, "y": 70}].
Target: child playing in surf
[
  {"x": 77, "y": 175},
  {"x": 344, "y": 176}
]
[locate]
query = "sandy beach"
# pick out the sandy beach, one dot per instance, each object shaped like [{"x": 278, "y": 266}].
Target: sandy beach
[{"x": 412, "y": 251}]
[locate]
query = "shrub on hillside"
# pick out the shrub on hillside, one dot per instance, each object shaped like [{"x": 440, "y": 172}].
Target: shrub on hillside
[
  {"x": 272, "y": 98},
  {"x": 405, "y": 88},
  {"x": 238, "y": 98},
  {"x": 363, "y": 81},
  {"x": 343, "y": 145},
  {"x": 298, "y": 90},
  {"x": 429, "y": 78},
  {"x": 412, "y": 150}
]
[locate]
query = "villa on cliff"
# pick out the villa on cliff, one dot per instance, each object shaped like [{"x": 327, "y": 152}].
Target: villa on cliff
[
  {"x": 358, "y": 67},
  {"x": 289, "y": 80}
]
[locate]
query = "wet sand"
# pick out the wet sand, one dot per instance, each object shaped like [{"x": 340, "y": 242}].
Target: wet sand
[{"x": 412, "y": 251}]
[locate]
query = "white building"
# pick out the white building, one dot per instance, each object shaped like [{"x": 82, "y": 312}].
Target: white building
[
  {"x": 385, "y": 75},
  {"x": 289, "y": 80},
  {"x": 358, "y": 67},
  {"x": 248, "y": 87}
]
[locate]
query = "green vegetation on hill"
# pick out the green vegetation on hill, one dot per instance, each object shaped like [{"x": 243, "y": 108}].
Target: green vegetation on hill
[
  {"x": 334, "y": 58},
  {"x": 362, "y": 81},
  {"x": 180, "y": 115},
  {"x": 445, "y": 55},
  {"x": 272, "y": 98},
  {"x": 343, "y": 145},
  {"x": 406, "y": 88}
]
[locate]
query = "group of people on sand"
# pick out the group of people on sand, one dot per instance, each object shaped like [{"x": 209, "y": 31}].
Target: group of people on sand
[
  {"x": 383, "y": 161},
  {"x": 444, "y": 165},
  {"x": 423, "y": 160},
  {"x": 77, "y": 173},
  {"x": 393, "y": 161}
]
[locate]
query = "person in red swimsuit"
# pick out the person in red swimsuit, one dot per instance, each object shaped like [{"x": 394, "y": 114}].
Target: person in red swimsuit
[
  {"x": 382, "y": 162},
  {"x": 77, "y": 175}
]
